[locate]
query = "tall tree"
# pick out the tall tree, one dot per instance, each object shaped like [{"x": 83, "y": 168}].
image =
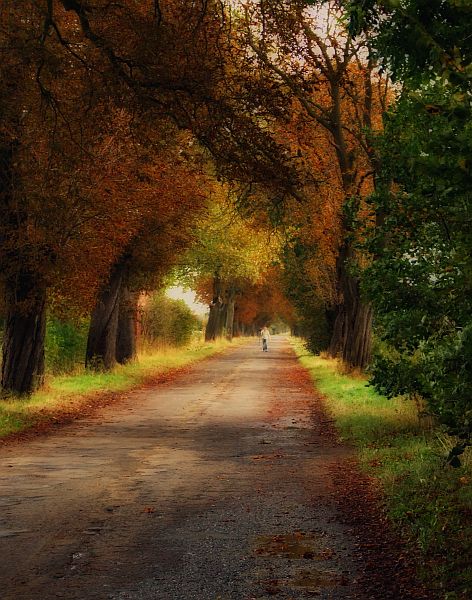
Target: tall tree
[
  {"x": 173, "y": 188},
  {"x": 420, "y": 281},
  {"x": 312, "y": 55},
  {"x": 53, "y": 192}
]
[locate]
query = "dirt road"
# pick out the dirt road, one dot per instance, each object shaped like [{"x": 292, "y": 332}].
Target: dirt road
[{"x": 214, "y": 486}]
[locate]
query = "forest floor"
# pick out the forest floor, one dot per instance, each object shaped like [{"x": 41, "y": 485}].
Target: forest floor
[{"x": 227, "y": 481}]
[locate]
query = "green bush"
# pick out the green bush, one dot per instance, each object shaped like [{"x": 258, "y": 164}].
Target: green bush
[
  {"x": 168, "y": 321},
  {"x": 313, "y": 327},
  {"x": 394, "y": 373},
  {"x": 439, "y": 370},
  {"x": 65, "y": 345},
  {"x": 420, "y": 281}
]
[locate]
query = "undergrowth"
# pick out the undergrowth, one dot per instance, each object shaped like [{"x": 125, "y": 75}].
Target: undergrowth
[{"x": 429, "y": 502}]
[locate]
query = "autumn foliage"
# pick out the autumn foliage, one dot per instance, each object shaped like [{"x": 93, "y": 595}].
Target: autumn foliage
[{"x": 120, "y": 122}]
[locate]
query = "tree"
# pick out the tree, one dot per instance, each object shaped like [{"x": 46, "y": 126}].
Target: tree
[
  {"x": 334, "y": 84},
  {"x": 78, "y": 75},
  {"x": 172, "y": 193},
  {"x": 420, "y": 281},
  {"x": 57, "y": 174},
  {"x": 229, "y": 253}
]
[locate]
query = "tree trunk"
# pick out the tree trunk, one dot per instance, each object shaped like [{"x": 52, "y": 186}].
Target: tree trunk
[
  {"x": 25, "y": 330},
  {"x": 25, "y": 292},
  {"x": 101, "y": 342},
  {"x": 351, "y": 336},
  {"x": 352, "y": 332},
  {"x": 357, "y": 350},
  {"x": 338, "y": 335},
  {"x": 229, "y": 320},
  {"x": 217, "y": 316},
  {"x": 211, "y": 326},
  {"x": 215, "y": 325},
  {"x": 127, "y": 326},
  {"x": 238, "y": 327}
]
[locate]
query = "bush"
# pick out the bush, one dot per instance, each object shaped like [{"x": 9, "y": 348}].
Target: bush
[
  {"x": 439, "y": 370},
  {"x": 168, "y": 321},
  {"x": 65, "y": 345}
]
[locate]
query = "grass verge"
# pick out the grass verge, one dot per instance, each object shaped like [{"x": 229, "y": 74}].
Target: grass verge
[
  {"x": 72, "y": 393},
  {"x": 427, "y": 501}
]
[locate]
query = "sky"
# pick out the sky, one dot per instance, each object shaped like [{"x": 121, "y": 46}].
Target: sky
[{"x": 188, "y": 296}]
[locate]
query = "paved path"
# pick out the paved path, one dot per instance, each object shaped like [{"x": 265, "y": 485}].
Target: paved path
[{"x": 215, "y": 486}]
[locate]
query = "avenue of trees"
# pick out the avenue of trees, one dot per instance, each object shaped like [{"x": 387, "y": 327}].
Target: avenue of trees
[
  {"x": 105, "y": 112},
  {"x": 302, "y": 160},
  {"x": 231, "y": 258}
]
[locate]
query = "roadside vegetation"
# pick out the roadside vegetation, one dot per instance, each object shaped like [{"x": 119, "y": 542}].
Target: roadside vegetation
[
  {"x": 171, "y": 338},
  {"x": 428, "y": 501},
  {"x": 73, "y": 394}
]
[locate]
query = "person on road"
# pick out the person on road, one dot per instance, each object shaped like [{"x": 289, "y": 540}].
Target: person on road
[{"x": 265, "y": 336}]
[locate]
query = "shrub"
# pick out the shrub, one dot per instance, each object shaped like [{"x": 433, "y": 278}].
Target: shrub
[
  {"x": 65, "y": 344},
  {"x": 168, "y": 321}
]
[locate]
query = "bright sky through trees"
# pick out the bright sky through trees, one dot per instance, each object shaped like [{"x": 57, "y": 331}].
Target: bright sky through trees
[{"x": 189, "y": 297}]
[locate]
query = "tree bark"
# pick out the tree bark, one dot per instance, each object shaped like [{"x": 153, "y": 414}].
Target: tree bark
[
  {"x": 338, "y": 335},
  {"x": 357, "y": 350},
  {"x": 25, "y": 293},
  {"x": 352, "y": 332},
  {"x": 127, "y": 326},
  {"x": 229, "y": 320},
  {"x": 238, "y": 327},
  {"x": 25, "y": 330},
  {"x": 216, "y": 319},
  {"x": 101, "y": 342}
]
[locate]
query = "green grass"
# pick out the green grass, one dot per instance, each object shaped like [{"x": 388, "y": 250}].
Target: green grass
[
  {"x": 70, "y": 392},
  {"x": 428, "y": 502}
]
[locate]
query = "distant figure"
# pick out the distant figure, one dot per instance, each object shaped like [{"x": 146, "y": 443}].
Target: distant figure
[{"x": 265, "y": 336}]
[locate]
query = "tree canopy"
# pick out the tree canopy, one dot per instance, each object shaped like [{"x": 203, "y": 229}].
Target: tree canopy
[{"x": 340, "y": 132}]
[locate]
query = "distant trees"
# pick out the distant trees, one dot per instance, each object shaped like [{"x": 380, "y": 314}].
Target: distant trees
[
  {"x": 264, "y": 303},
  {"x": 230, "y": 253}
]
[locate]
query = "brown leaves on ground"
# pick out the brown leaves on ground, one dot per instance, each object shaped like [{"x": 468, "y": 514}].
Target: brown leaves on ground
[
  {"x": 300, "y": 379},
  {"x": 388, "y": 568}
]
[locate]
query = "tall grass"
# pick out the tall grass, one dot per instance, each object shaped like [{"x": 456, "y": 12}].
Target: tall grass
[{"x": 429, "y": 502}]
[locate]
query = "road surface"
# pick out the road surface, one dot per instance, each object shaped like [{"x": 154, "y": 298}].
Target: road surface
[{"x": 215, "y": 486}]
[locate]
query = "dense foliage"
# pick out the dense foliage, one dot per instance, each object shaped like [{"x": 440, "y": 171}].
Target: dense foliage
[
  {"x": 313, "y": 323},
  {"x": 65, "y": 344},
  {"x": 421, "y": 278},
  {"x": 165, "y": 321}
]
